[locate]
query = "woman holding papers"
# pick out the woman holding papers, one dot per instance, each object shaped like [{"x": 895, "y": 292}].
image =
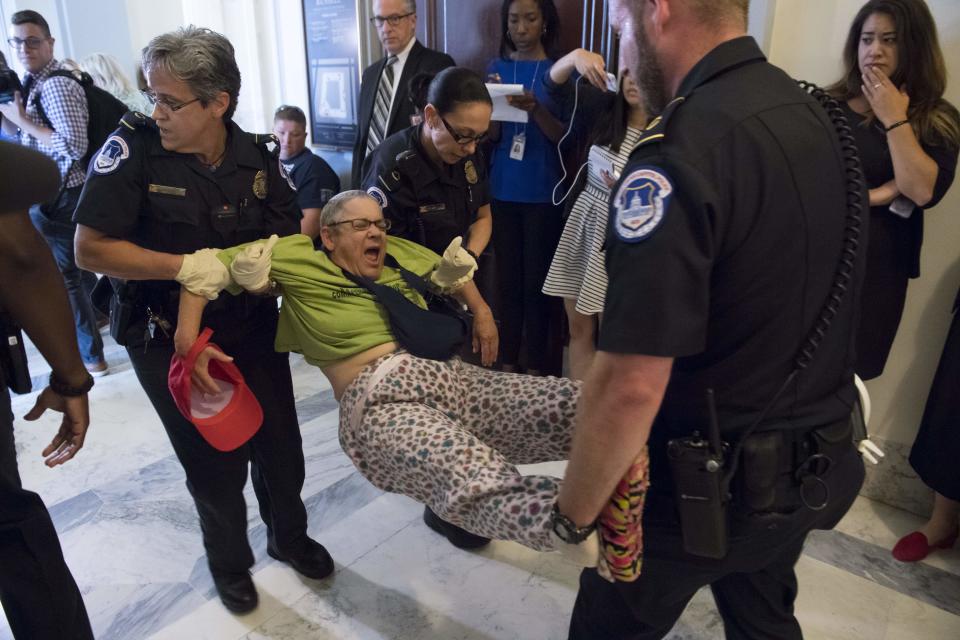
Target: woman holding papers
[{"x": 523, "y": 171}]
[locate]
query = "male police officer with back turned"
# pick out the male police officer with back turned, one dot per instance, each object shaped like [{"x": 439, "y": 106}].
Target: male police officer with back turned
[
  {"x": 160, "y": 188},
  {"x": 725, "y": 237}
]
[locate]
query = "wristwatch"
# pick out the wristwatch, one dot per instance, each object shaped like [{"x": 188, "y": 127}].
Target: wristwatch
[{"x": 565, "y": 528}]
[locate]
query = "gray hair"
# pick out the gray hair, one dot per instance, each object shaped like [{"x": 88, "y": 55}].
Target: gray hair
[
  {"x": 335, "y": 205},
  {"x": 108, "y": 74},
  {"x": 202, "y": 58},
  {"x": 411, "y": 6}
]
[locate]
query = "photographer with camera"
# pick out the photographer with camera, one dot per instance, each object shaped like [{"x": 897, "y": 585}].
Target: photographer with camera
[
  {"x": 50, "y": 114},
  {"x": 39, "y": 595}
]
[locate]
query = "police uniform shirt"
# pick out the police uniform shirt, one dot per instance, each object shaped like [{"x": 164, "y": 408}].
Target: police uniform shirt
[
  {"x": 166, "y": 201},
  {"x": 427, "y": 203},
  {"x": 315, "y": 181},
  {"x": 725, "y": 232}
]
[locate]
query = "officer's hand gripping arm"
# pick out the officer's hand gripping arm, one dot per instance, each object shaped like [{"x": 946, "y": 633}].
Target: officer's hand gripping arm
[
  {"x": 203, "y": 274},
  {"x": 251, "y": 267}
]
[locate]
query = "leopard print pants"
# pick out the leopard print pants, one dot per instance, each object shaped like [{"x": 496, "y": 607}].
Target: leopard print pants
[{"x": 449, "y": 434}]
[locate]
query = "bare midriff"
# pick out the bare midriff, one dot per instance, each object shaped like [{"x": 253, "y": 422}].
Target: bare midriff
[{"x": 342, "y": 373}]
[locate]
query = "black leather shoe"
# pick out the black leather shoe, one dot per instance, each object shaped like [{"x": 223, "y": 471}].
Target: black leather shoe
[
  {"x": 460, "y": 538},
  {"x": 236, "y": 591},
  {"x": 312, "y": 561}
]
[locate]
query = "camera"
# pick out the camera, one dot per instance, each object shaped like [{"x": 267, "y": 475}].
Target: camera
[{"x": 9, "y": 84}]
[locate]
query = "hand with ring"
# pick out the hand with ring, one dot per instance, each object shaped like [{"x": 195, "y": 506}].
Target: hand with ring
[{"x": 888, "y": 104}]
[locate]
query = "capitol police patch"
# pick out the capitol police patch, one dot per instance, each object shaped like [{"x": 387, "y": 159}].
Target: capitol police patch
[
  {"x": 379, "y": 196},
  {"x": 640, "y": 203},
  {"x": 112, "y": 154}
]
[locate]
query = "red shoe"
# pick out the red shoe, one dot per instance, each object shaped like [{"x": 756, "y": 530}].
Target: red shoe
[{"x": 914, "y": 547}]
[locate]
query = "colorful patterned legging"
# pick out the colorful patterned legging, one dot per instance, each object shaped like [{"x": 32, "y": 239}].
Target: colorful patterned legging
[{"x": 449, "y": 434}]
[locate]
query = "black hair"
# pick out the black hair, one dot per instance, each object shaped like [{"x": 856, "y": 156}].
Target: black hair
[
  {"x": 610, "y": 130},
  {"x": 28, "y": 16},
  {"x": 551, "y": 23},
  {"x": 419, "y": 86},
  {"x": 454, "y": 86}
]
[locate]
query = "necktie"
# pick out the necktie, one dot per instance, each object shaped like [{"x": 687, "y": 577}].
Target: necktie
[{"x": 381, "y": 106}]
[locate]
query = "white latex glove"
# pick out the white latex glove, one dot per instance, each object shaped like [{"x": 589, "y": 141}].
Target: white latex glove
[
  {"x": 251, "y": 267},
  {"x": 455, "y": 269},
  {"x": 203, "y": 274}
]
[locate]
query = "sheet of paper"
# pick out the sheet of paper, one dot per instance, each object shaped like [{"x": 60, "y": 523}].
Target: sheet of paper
[{"x": 503, "y": 111}]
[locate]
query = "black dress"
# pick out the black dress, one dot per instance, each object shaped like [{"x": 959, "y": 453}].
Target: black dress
[
  {"x": 893, "y": 249},
  {"x": 937, "y": 447}
]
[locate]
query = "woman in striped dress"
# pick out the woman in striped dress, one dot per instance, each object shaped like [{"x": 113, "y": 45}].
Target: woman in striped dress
[{"x": 577, "y": 273}]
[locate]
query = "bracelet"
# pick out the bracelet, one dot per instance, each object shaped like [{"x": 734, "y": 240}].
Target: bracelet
[
  {"x": 895, "y": 125},
  {"x": 61, "y": 388},
  {"x": 472, "y": 254}
]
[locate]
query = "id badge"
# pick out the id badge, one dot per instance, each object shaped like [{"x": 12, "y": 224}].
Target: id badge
[{"x": 519, "y": 144}]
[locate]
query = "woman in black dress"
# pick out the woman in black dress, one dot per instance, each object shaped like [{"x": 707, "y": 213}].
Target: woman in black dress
[{"x": 908, "y": 137}]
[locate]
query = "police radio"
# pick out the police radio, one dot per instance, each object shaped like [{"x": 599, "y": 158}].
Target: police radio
[{"x": 701, "y": 495}]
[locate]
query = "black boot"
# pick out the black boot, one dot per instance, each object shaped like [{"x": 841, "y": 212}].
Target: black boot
[
  {"x": 236, "y": 591},
  {"x": 460, "y": 538},
  {"x": 312, "y": 560}
]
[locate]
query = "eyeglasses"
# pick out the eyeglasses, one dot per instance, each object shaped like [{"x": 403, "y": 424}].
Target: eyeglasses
[
  {"x": 30, "y": 43},
  {"x": 166, "y": 103},
  {"x": 391, "y": 20},
  {"x": 460, "y": 138},
  {"x": 362, "y": 224}
]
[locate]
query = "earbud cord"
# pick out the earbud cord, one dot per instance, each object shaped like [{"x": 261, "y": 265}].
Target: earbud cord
[{"x": 553, "y": 194}]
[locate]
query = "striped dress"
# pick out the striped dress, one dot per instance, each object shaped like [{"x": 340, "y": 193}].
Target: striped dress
[{"x": 577, "y": 271}]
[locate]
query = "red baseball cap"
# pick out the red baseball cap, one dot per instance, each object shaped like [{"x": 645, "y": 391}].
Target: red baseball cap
[{"x": 226, "y": 420}]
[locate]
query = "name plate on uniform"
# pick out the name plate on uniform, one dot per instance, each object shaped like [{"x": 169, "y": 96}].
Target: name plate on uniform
[
  {"x": 433, "y": 208},
  {"x": 180, "y": 192}
]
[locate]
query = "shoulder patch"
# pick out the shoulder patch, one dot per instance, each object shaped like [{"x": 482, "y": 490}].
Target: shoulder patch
[
  {"x": 286, "y": 174},
  {"x": 134, "y": 119},
  {"x": 112, "y": 154},
  {"x": 379, "y": 196},
  {"x": 640, "y": 203}
]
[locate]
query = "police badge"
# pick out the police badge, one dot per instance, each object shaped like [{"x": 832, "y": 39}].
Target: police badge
[
  {"x": 260, "y": 184},
  {"x": 470, "y": 172}
]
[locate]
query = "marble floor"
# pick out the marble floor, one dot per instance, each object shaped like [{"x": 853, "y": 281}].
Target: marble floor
[{"x": 131, "y": 537}]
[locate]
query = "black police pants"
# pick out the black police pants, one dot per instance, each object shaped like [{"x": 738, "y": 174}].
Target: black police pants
[
  {"x": 39, "y": 595},
  {"x": 754, "y": 586},
  {"x": 216, "y": 479}
]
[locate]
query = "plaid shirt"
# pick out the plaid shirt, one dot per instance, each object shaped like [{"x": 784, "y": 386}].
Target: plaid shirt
[{"x": 65, "y": 105}]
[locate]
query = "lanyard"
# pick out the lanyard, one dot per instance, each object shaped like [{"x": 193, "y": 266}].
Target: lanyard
[{"x": 533, "y": 84}]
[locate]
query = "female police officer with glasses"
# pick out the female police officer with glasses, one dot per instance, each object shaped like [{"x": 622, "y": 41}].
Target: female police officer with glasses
[{"x": 431, "y": 179}]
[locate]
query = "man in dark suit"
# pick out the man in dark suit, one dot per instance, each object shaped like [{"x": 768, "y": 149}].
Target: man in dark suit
[{"x": 385, "y": 106}]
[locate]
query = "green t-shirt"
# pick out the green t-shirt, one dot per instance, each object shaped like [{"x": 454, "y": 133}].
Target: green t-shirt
[{"x": 324, "y": 316}]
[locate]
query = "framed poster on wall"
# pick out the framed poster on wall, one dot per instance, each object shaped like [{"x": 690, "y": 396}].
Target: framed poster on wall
[{"x": 333, "y": 70}]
